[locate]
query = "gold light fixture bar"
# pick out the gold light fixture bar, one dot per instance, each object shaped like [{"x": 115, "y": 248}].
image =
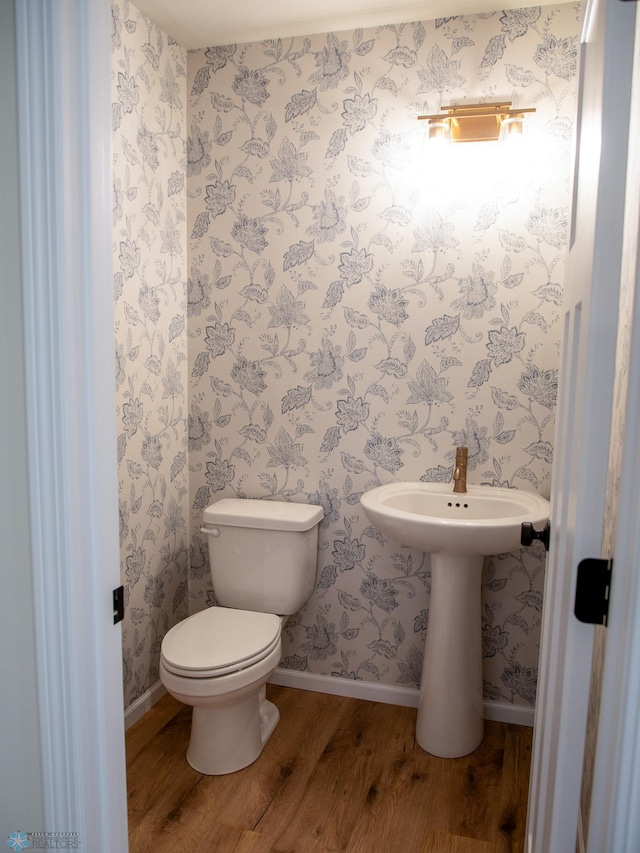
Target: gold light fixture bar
[{"x": 475, "y": 122}]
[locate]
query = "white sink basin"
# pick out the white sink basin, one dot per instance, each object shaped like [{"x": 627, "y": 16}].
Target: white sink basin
[{"x": 429, "y": 516}]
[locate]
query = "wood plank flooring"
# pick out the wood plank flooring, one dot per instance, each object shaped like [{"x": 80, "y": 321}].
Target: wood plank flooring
[{"x": 340, "y": 775}]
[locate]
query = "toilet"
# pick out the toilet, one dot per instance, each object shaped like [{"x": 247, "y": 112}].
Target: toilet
[{"x": 263, "y": 559}]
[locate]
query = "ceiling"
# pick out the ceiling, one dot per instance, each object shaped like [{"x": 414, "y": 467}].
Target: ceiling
[{"x": 204, "y": 23}]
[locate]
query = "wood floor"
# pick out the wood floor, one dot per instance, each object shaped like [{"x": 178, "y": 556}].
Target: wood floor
[{"x": 337, "y": 774}]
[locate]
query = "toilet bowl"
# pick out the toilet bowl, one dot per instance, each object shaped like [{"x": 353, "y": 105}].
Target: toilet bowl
[
  {"x": 219, "y": 660},
  {"x": 225, "y": 683}
]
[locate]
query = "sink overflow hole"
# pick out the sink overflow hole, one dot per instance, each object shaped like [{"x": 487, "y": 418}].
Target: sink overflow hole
[{"x": 466, "y": 506}]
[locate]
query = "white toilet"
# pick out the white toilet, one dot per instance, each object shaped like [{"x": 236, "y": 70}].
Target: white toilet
[{"x": 263, "y": 558}]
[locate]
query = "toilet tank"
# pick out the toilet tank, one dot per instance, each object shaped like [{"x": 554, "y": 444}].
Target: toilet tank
[{"x": 263, "y": 554}]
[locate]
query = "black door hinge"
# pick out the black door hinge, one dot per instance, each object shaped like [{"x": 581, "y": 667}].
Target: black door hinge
[
  {"x": 592, "y": 591},
  {"x": 118, "y": 605}
]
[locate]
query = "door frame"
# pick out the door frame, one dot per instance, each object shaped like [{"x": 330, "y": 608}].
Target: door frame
[
  {"x": 64, "y": 77},
  {"x": 614, "y": 818},
  {"x": 580, "y": 468}
]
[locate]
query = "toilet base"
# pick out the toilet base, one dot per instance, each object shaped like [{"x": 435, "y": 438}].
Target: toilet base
[
  {"x": 232, "y": 718},
  {"x": 226, "y": 739}
]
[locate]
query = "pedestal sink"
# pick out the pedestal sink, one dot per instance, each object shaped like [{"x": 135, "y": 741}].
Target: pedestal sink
[{"x": 458, "y": 530}]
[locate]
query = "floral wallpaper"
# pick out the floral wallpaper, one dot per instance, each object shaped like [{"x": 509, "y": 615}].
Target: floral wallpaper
[
  {"x": 359, "y": 304},
  {"x": 149, "y": 101}
]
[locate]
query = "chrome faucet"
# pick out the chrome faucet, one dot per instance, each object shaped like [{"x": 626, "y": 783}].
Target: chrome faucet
[{"x": 460, "y": 470}]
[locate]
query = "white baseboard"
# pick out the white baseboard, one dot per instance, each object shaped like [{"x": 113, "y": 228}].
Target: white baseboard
[
  {"x": 389, "y": 694},
  {"x": 503, "y": 712},
  {"x": 143, "y": 704}
]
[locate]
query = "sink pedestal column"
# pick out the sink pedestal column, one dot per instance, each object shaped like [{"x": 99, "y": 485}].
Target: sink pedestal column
[{"x": 450, "y": 722}]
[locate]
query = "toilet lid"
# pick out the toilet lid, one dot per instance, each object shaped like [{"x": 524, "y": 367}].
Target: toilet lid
[{"x": 219, "y": 640}]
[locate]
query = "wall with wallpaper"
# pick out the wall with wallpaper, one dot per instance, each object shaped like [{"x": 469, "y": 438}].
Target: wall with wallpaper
[
  {"x": 149, "y": 101},
  {"x": 359, "y": 305}
]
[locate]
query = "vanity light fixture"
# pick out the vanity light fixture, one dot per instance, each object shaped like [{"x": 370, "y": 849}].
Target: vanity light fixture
[{"x": 476, "y": 122}]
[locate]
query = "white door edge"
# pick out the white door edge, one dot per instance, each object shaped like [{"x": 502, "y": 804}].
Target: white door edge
[
  {"x": 614, "y": 817},
  {"x": 581, "y": 448}
]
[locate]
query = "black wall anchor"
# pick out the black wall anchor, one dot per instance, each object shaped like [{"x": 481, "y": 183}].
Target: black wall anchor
[{"x": 528, "y": 534}]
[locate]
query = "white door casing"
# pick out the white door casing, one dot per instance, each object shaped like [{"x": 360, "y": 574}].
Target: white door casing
[
  {"x": 583, "y": 421},
  {"x": 63, "y": 61}
]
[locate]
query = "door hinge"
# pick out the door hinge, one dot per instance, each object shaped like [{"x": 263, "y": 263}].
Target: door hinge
[
  {"x": 118, "y": 605},
  {"x": 592, "y": 591}
]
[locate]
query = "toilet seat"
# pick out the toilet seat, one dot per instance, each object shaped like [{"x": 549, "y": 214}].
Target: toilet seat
[{"x": 218, "y": 641}]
